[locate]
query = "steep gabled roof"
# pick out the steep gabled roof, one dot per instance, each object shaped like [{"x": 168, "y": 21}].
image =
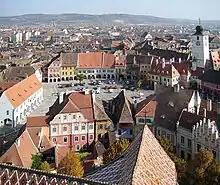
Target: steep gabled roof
[
  {"x": 20, "y": 152},
  {"x": 143, "y": 162},
  {"x": 123, "y": 109},
  {"x": 99, "y": 112},
  {"x": 147, "y": 107}
]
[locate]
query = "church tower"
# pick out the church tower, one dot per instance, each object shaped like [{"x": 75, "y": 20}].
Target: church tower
[{"x": 200, "y": 47}]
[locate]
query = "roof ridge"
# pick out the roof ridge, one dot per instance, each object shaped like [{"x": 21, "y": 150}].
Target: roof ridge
[
  {"x": 121, "y": 156},
  {"x": 153, "y": 98},
  {"x": 47, "y": 174}
]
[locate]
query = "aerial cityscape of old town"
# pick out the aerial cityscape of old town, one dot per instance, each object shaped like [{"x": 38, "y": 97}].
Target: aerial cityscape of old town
[{"x": 115, "y": 99}]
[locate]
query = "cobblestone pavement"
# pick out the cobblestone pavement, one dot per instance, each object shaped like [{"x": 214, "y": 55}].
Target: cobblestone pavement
[{"x": 51, "y": 92}]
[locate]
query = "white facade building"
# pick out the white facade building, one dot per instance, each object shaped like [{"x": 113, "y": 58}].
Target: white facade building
[
  {"x": 200, "y": 47},
  {"x": 18, "y": 101}
]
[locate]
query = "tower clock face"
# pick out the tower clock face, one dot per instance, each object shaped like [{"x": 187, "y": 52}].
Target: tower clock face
[{"x": 198, "y": 43}]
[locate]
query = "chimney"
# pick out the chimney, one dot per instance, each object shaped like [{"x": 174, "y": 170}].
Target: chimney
[
  {"x": 193, "y": 66},
  {"x": 157, "y": 61},
  {"x": 155, "y": 87},
  {"x": 209, "y": 105},
  {"x": 205, "y": 112},
  {"x": 135, "y": 62},
  {"x": 135, "y": 104},
  {"x": 61, "y": 97},
  {"x": 177, "y": 88},
  {"x": 163, "y": 63},
  {"x": 218, "y": 108}
]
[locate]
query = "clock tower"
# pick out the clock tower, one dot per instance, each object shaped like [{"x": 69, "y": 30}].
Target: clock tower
[{"x": 200, "y": 47}]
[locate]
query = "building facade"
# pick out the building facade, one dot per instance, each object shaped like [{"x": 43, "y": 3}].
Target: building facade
[
  {"x": 20, "y": 100},
  {"x": 73, "y": 126}
]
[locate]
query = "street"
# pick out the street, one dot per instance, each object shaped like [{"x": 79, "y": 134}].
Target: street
[{"x": 51, "y": 91}]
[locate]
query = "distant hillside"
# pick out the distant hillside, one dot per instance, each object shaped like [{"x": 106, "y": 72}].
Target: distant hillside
[{"x": 35, "y": 19}]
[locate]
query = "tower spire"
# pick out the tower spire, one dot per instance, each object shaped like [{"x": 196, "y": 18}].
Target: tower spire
[{"x": 199, "y": 22}]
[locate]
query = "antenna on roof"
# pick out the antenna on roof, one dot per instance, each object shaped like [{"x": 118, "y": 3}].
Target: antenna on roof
[{"x": 199, "y": 21}]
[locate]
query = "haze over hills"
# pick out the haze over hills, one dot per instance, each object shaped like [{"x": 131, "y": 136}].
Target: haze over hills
[{"x": 37, "y": 19}]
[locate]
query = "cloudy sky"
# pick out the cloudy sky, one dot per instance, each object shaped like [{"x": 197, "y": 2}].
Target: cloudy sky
[{"x": 190, "y": 9}]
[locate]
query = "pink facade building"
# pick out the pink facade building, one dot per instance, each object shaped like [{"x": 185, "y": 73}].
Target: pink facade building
[
  {"x": 54, "y": 71},
  {"x": 72, "y": 121}
]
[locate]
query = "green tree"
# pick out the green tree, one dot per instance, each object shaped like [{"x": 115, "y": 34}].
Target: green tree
[
  {"x": 36, "y": 161},
  {"x": 115, "y": 150},
  {"x": 147, "y": 78},
  {"x": 202, "y": 169},
  {"x": 179, "y": 162},
  {"x": 71, "y": 165},
  {"x": 80, "y": 77},
  {"x": 139, "y": 84},
  {"x": 45, "y": 166}
]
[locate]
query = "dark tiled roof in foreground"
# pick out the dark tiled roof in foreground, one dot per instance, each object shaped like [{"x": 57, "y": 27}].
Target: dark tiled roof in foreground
[
  {"x": 22, "y": 176},
  {"x": 144, "y": 162}
]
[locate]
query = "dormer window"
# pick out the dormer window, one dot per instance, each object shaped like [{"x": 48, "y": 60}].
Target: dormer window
[
  {"x": 167, "y": 72},
  {"x": 162, "y": 72},
  {"x": 158, "y": 71}
]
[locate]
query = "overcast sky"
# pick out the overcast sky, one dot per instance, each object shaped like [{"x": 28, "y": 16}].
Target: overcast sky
[{"x": 192, "y": 9}]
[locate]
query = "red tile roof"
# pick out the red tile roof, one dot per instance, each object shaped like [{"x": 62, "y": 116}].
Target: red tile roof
[
  {"x": 20, "y": 153},
  {"x": 18, "y": 93},
  {"x": 37, "y": 121},
  {"x": 147, "y": 107},
  {"x": 168, "y": 71},
  {"x": 183, "y": 68},
  {"x": 96, "y": 60},
  {"x": 79, "y": 102}
]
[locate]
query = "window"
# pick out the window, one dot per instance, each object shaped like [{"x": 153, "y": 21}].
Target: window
[
  {"x": 54, "y": 129},
  {"x": 7, "y": 112},
  {"x": 172, "y": 138},
  {"x": 74, "y": 116},
  {"x": 83, "y": 138},
  {"x": 198, "y": 147},
  {"x": 141, "y": 120},
  {"x": 163, "y": 133},
  {"x": 168, "y": 137},
  {"x": 63, "y": 73},
  {"x": 131, "y": 132},
  {"x": 77, "y": 147},
  {"x": 100, "y": 127},
  {"x": 90, "y": 136},
  {"x": 158, "y": 131},
  {"x": 189, "y": 143},
  {"x": 197, "y": 37},
  {"x": 70, "y": 73},
  {"x": 188, "y": 156},
  {"x": 83, "y": 127},
  {"x": 76, "y": 128},
  {"x": 119, "y": 132},
  {"x": 148, "y": 121},
  {"x": 182, "y": 154},
  {"x": 76, "y": 138},
  {"x": 65, "y": 129},
  {"x": 54, "y": 140},
  {"x": 165, "y": 79},
  {"x": 64, "y": 117},
  {"x": 65, "y": 139},
  {"x": 90, "y": 127},
  {"x": 182, "y": 140}
]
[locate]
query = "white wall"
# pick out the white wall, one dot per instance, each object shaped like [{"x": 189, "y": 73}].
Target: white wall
[{"x": 5, "y": 105}]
